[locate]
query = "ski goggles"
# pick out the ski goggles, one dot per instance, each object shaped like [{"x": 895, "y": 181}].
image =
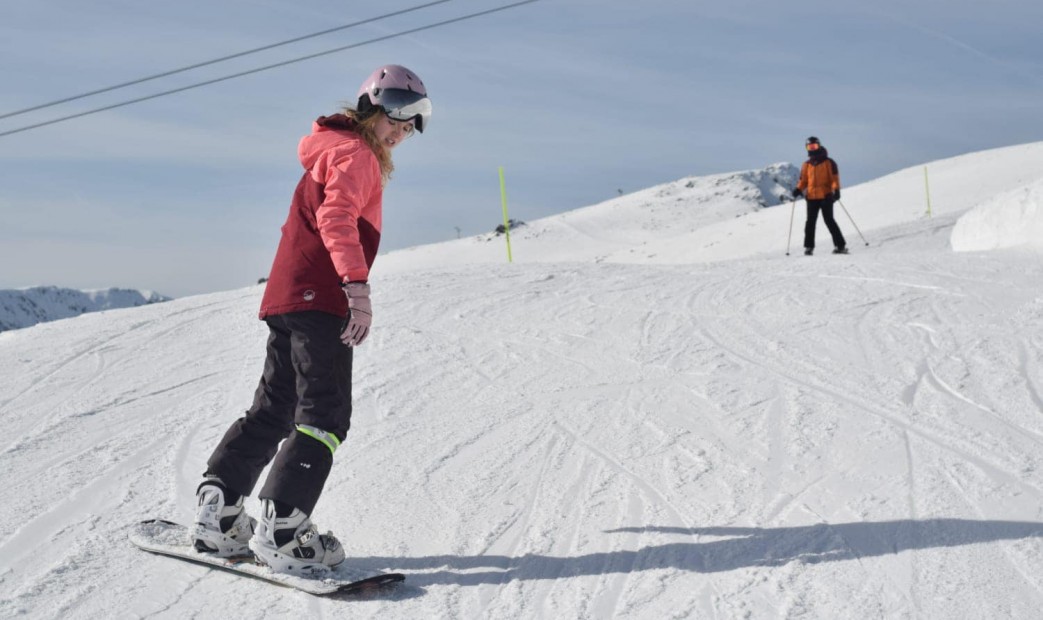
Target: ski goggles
[{"x": 405, "y": 105}]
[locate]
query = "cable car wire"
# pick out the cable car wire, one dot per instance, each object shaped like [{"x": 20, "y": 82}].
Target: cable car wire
[{"x": 217, "y": 60}]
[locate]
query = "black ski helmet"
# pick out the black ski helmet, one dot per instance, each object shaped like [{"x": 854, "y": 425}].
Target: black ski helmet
[{"x": 811, "y": 140}]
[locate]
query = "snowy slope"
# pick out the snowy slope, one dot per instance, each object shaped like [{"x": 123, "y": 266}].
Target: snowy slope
[
  {"x": 618, "y": 230},
  {"x": 759, "y": 437},
  {"x": 29, "y": 306},
  {"x": 670, "y": 224}
]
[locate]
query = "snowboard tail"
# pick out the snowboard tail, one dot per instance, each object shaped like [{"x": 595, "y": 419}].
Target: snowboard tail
[{"x": 175, "y": 540}]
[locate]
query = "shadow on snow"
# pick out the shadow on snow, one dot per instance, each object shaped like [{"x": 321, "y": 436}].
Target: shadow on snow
[{"x": 714, "y": 549}]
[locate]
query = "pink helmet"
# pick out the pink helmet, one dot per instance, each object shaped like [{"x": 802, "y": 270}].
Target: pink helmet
[{"x": 399, "y": 92}]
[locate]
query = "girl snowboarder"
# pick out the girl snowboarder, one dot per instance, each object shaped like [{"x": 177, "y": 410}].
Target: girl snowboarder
[{"x": 317, "y": 307}]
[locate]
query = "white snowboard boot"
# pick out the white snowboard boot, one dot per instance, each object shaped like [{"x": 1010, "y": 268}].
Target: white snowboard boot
[
  {"x": 292, "y": 544},
  {"x": 221, "y": 529}
]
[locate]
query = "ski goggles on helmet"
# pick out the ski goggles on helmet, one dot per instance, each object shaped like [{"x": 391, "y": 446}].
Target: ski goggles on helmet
[{"x": 405, "y": 105}]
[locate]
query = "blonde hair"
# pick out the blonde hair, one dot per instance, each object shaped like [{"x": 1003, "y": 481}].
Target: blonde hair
[{"x": 364, "y": 127}]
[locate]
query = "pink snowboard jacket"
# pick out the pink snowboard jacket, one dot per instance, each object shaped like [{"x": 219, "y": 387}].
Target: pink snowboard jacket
[{"x": 332, "y": 233}]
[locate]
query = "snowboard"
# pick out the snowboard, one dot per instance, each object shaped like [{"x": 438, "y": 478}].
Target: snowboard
[{"x": 175, "y": 540}]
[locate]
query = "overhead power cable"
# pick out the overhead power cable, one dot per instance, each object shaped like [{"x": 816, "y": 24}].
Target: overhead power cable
[
  {"x": 217, "y": 60},
  {"x": 267, "y": 67}
]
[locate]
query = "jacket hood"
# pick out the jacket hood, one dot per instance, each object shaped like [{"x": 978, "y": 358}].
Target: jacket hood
[{"x": 326, "y": 132}]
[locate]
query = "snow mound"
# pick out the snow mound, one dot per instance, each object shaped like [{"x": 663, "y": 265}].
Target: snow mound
[{"x": 1011, "y": 219}]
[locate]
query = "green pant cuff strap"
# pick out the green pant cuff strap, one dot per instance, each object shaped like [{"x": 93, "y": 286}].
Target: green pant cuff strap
[{"x": 328, "y": 439}]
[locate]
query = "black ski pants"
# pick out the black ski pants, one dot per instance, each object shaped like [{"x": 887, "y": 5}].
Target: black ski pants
[
  {"x": 306, "y": 381},
  {"x": 826, "y": 207}
]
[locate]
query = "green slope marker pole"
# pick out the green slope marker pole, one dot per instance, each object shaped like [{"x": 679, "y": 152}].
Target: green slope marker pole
[
  {"x": 927, "y": 188},
  {"x": 506, "y": 225}
]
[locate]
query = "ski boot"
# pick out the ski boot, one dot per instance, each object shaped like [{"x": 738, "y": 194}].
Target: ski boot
[
  {"x": 808, "y": 251},
  {"x": 292, "y": 544},
  {"x": 221, "y": 529},
  {"x": 841, "y": 250}
]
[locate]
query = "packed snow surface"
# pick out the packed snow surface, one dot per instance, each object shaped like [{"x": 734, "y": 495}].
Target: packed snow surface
[{"x": 654, "y": 412}]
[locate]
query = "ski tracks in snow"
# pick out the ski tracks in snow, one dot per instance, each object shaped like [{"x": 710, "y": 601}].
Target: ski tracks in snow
[
  {"x": 82, "y": 454},
  {"x": 576, "y": 440},
  {"x": 632, "y": 416},
  {"x": 938, "y": 426}
]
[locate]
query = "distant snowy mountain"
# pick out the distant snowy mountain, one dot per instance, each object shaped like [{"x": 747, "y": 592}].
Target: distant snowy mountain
[{"x": 29, "y": 306}]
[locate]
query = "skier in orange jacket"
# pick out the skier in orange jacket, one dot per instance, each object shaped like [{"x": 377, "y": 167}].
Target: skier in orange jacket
[{"x": 820, "y": 184}]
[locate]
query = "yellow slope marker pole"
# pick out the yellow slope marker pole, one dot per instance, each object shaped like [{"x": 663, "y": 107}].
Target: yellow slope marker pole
[
  {"x": 506, "y": 224},
  {"x": 927, "y": 188}
]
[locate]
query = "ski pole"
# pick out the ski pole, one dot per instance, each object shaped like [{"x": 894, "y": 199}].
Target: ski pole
[
  {"x": 853, "y": 222},
  {"x": 789, "y": 237}
]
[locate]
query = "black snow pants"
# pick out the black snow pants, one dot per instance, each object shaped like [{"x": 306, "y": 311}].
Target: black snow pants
[
  {"x": 826, "y": 206},
  {"x": 306, "y": 382}
]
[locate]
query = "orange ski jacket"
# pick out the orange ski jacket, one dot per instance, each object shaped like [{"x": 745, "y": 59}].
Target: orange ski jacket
[{"x": 819, "y": 179}]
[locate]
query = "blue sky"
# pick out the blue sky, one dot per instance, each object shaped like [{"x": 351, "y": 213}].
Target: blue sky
[{"x": 577, "y": 100}]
